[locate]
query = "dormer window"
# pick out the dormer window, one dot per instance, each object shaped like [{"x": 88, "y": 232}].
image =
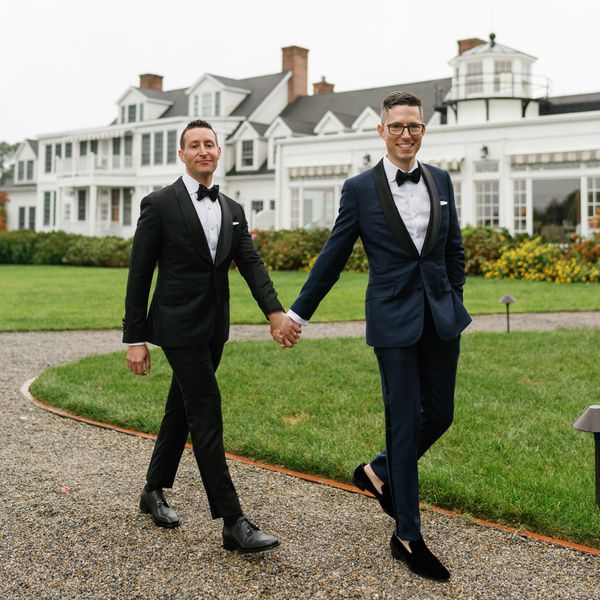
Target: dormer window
[
  {"x": 501, "y": 79},
  {"x": 131, "y": 113},
  {"x": 247, "y": 153},
  {"x": 207, "y": 104}
]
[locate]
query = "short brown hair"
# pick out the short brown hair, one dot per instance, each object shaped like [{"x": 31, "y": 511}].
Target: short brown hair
[
  {"x": 193, "y": 125},
  {"x": 399, "y": 98}
]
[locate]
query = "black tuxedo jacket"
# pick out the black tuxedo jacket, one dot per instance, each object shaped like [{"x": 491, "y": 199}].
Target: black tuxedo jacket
[
  {"x": 190, "y": 305},
  {"x": 399, "y": 277}
]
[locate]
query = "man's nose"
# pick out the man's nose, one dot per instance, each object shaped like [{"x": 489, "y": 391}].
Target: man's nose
[{"x": 405, "y": 133}]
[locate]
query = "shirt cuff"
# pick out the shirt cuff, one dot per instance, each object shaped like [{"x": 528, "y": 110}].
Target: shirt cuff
[
  {"x": 136, "y": 344},
  {"x": 292, "y": 315}
]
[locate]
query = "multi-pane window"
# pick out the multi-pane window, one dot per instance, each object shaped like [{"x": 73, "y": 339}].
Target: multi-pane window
[
  {"x": 29, "y": 173},
  {"x": 48, "y": 158},
  {"x": 127, "y": 194},
  {"x": 247, "y": 153},
  {"x": 116, "y": 146},
  {"x": 206, "y": 104},
  {"x": 474, "y": 78},
  {"x": 32, "y": 217},
  {"x": 501, "y": 80},
  {"x": 171, "y": 147},
  {"x": 67, "y": 212},
  {"x": 295, "y": 209},
  {"x": 53, "y": 209},
  {"x": 131, "y": 113},
  {"x": 94, "y": 146},
  {"x": 115, "y": 201},
  {"x": 21, "y": 170},
  {"x": 58, "y": 150},
  {"x": 195, "y": 107},
  {"x": 81, "y": 205},
  {"x": 217, "y": 110},
  {"x": 21, "y": 217},
  {"x": 68, "y": 149},
  {"x": 123, "y": 114},
  {"x": 457, "y": 185},
  {"x": 141, "y": 112},
  {"x": 145, "y": 149},
  {"x": 47, "y": 200},
  {"x": 257, "y": 206},
  {"x": 83, "y": 148},
  {"x": 593, "y": 203},
  {"x": 520, "y": 206},
  {"x": 158, "y": 147},
  {"x": 487, "y": 203},
  {"x": 128, "y": 143}
]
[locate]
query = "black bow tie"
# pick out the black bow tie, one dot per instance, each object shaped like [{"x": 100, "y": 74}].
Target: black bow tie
[
  {"x": 212, "y": 193},
  {"x": 413, "y": 176}
]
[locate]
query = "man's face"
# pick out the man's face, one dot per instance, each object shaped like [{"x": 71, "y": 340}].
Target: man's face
[
  {"x": 200, "y": 153},
  {"x": 402, "y": 149}
]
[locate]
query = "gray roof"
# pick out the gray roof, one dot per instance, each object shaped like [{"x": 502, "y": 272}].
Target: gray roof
[
  {"x": 262, "y": 170},
  {"x": 155, "y": 94},
  {"x": 179, "y": 108},
  {"x": 33, "y": 144},
  {"x": 259, "y": 127},
  {"x": 492, "y": 47},
  {"x": 305, "y": 112},
  {"x": 261, "y": 87},
  {"x": 570, "y": 104}
]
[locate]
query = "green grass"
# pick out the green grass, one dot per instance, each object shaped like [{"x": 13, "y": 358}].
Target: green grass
[
  {"x": 38, "y": 298},
  {"x": 512, "y": 454}
]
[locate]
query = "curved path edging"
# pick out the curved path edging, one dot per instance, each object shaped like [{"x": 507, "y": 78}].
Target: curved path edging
[{"x": 26, "y": 393}]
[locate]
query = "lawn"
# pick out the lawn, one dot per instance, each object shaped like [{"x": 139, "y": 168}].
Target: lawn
[
  {"x": 56, "y": 297},
  {"x": 512, "y": 454}
]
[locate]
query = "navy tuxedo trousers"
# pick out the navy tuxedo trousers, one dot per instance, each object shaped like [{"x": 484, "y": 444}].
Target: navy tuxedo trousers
[{"x": 418, "y": 394}]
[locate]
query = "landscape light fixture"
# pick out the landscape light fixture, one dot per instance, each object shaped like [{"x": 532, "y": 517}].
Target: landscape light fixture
[
  {"x": 507, "y": 300},
  {"x": 590, "y": 421}
]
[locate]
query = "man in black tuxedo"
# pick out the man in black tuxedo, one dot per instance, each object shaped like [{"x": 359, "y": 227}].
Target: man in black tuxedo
[
  {"x": 193, "y": 232},
  {"x": 405, "y": 214}
]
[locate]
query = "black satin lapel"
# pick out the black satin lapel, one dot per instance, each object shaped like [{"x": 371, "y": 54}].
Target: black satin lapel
[
  {"x": 435, "y": 217},
  {"x": 390, "y": 211},
  {"x": 226, "y": 234},
  {"x": 190, "y": 215}
]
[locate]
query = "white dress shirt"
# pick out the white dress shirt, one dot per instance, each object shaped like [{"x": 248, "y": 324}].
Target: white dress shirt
[
  {"x": 209, "y": 213},
  {"x": 412, "y": 201}
]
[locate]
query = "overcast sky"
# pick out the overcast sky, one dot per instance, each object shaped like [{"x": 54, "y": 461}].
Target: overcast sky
[{"x": 64, "y": 63}]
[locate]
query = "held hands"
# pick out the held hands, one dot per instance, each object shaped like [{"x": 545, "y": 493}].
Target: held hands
[
  {"x": 138, "y": 359},
  {"x": 284, "y": 330}
]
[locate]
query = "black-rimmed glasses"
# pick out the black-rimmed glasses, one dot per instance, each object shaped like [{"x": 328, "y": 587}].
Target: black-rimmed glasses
[{"x": 415, "y": 129}]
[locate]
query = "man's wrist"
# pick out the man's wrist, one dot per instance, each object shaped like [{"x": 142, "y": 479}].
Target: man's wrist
[
  {"x": 297, "y": 318},
  {"x": 136, "y": 344}
]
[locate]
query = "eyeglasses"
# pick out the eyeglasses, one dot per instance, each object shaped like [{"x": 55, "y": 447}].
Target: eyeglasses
[{"x": 415, "y": 129}]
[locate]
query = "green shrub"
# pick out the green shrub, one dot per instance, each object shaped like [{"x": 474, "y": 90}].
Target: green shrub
[
  {"x": 18, "y": 247},
  {"x": 289, "y": 249},
  {"x": 483, "y": 245},
  {"x": 51, "y": 248},
  {"x": 98, "y": 252}
]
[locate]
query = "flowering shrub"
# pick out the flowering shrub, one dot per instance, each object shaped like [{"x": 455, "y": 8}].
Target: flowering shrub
[
  {"x": 536, "y": 260},
  {"x": 482, "y": 245}
]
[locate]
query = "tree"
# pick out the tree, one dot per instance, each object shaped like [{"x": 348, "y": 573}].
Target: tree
[{"x": 7, "y": 151}]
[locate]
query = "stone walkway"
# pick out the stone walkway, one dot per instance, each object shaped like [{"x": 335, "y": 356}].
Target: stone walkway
[{"x": 70, "y": 528}]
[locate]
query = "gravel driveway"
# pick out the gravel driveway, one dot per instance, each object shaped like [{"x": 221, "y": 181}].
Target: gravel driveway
[{"x": 70, "y": 527}]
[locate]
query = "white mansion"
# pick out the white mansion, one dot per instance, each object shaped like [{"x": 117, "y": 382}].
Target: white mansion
[{"x": 519, "y": 158}]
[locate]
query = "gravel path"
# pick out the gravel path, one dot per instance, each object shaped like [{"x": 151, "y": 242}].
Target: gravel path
[{"x": 70, "y": 528}]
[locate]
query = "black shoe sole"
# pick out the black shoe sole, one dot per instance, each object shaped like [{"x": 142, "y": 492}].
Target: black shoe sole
[
  {"x": 148, "y": 511},
  {"x": 233, "y": 547}
]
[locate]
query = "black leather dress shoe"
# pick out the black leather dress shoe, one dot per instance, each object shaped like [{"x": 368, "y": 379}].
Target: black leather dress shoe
[
  {"x": 361, "y": 480},
  {"x": 154, "y": 502},
  {"x": 420, "y": 559},
  {"x": 245, "y": 536}
]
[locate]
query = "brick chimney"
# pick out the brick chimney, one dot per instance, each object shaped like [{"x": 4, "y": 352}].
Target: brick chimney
[
  {"x": 464, "y": 45},
  {"x": 322, "y": 87},
  {"x": 149, "y": 81},
  {"x": 295, "y": 59}
]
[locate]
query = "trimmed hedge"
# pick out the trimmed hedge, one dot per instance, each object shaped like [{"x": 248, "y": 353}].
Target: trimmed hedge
[
  {"x": 488, "y": 252},
  {"x": 60, "y": 248}
]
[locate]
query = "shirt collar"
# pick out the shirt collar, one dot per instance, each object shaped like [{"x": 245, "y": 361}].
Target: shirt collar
[
  {"x": 391, "y": 169},
  {"x": 190, "y": 183}
]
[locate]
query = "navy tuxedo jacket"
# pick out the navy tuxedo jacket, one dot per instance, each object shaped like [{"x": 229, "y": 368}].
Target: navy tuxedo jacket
[
  {"x": 399, "y": 277},
  {"x": 190, "y": 305}
]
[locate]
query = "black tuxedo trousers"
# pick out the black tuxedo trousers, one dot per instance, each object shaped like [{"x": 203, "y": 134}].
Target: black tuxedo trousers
[{"x": 194, "y": 406}]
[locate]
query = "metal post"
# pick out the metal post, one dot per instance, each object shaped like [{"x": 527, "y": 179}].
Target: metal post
[
  {"x": 507, "y": 320},
  {"x": 597, "y": 445}
]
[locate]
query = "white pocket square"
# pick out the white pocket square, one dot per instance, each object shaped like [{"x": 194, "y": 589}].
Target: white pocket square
[
  {"x": 236, "y": 223},
  {"x": 443, "y": 203}
]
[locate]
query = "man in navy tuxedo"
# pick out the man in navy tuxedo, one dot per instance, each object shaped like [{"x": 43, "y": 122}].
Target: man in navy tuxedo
[{"x": 405, "y": 214}]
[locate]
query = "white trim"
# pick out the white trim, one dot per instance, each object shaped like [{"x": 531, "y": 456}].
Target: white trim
[
  {"x": 273, "y": 91},
  {"x": 329, "y": 116},
  {"x": 220, "y": 84}
]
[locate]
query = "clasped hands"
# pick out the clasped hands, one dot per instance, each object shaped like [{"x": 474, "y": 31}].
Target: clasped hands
[{"x": 284, "y": 330}]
